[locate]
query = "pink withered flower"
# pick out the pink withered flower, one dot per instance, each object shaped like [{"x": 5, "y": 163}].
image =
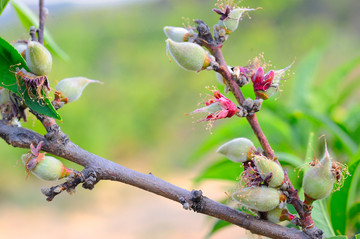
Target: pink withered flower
[
  {"x": 267, "y": 84},
  {"x": 217, "y": 108},
  {"x": 262, "y": 82}
]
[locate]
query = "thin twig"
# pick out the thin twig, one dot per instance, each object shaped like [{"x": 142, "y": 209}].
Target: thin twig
[
  {"x": 41, "y": 22},
  {"x": 33, "y": 33}
]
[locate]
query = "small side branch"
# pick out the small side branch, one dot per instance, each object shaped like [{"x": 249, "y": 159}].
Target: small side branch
[
  {"x": 42, "y": 17},
  {"x": 215, "y": 49}
]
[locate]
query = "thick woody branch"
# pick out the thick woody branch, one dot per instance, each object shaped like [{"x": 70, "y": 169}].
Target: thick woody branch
[{"x": 108, "y": 170}]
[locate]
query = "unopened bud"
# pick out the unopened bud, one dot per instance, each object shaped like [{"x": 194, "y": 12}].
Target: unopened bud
[
  {"x": 318, "y": 181},
  {"x": 237, "y": 150},
  {"x": 38, "y": 58},
  {"x": 262, "y": 199},
  {"x": 45, "y": 167},
  {"x": 72, "y": 88},
  {"x": 187, "y": 55},
  {"x": 177, "y": 34},
  {"x": 266, "y": 166}
]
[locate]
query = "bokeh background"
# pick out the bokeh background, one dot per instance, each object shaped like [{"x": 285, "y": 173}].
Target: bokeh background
[{"x": 137, "y": 117}]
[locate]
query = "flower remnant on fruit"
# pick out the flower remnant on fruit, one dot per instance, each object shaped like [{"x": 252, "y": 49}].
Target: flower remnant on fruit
[{"x": 217, "y": 107}]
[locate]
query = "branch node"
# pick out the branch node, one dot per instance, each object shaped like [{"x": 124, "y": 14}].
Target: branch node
[
  {"x": 54, "y": 133},
  {"x": 33, "y": 33},
  {"x": 204, "y": 34},
  {"x": 197, "y": 200},
  {"x": 87, "y": 177},
  {"x": 90, "y": 178},
  {"x": 314, "y": 232}
]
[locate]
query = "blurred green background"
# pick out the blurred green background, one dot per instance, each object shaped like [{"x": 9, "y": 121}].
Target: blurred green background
[{"x": 137, "y": 117}]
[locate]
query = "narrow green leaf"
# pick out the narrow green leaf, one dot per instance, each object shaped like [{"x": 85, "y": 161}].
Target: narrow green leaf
[
  {"x": 9, "y": 60},
  {"x": 337, "y": 237},
  {"x": 222, "y": 134},
  {"x": 342, "y": 200},
  {"x": 336, "y": 81},
  {"x": 3, "y": 4},
  {"x": 310, "y": 148},
  {"x": 354, "y": 211},
  {"x": 321, "y": 218},
  {"x": 219, "y": 224},
  {"x": 347, "y": 141},
  {"x": 28, "y": 19},
  {"x": 304, "y": 79},
  {"x": 223, "y": 169},
  {"x": 357, "y": 236},
  {"x": 290, "y": 159},
  {"x": 354, "y": 170}
]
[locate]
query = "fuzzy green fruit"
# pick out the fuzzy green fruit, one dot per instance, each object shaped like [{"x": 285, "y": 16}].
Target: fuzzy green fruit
[
  {"x": 189, "y": 56},
  {"x": 4, "y": 96},
  {"x": 318, "y": 181},
  {"x": 72, "y": 88},
  {"x": 47, "y": 168},
  {"x": 177, "y": 34},
  {"x": 20, "y": 47},
  {"x": 262, "y": 199},
  {"x": 278, "y": 215},
  {"x": 38, "y": 58},
  {"x": 237, "y": 150},
  {"x": 266, "y": 166},
  {"x": 232, "y": 22}
]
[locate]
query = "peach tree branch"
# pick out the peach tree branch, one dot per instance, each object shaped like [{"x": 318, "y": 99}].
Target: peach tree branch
[
  {"x": 205, "y": 39},
  {"x": 104, "y": 169}
]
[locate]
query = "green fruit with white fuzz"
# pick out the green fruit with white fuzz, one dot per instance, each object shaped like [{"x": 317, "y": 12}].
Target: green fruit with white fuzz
[
  {"x": 46, "y": 167},
  {"x": 4, "y": 96},
  {"x": 231, "y": 23},
  {"x": 38, "y": 58},
  {"x": 266, "y": 166},
  {"x": 177, "y": 34},
  {"x": 262, "y": 199},
  {"x": 189, "y": 56},
  {"x": 237, "y": 150},
  {"x": 318, "y": 181},
  {"x": 72, "y": 88},
  {"x": 279, "y": 214},
  {"x": 20, "y": 47}
]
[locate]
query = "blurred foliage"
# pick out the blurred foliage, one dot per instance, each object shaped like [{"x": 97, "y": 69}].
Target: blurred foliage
[{"x": 136, "y": 118}]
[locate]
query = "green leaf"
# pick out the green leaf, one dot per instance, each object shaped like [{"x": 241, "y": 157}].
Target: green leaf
[
  {"x": 321, "y": 218},
  {"x": 354, "y": 211},
  {"x": 336, "y": 81},
  {"x": 337, "y": 237},
  {"x": 289, "y": 159},
  {"x": 28, "y": 19},
  {"x": 310, "y": 148},
  {"x": 224, "y": 169},
  {"x": 3, "y": 4},
  {"x": 342, "y": 200},
  {"x": 303, "y": 81},
  {"x": 9, "y": 59},
  {"x": 347, "y": 141},
  {"x": 222, "y": 134},
  {"x": 357, "y": 236},
  {"x": 219, "y": 224}
]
